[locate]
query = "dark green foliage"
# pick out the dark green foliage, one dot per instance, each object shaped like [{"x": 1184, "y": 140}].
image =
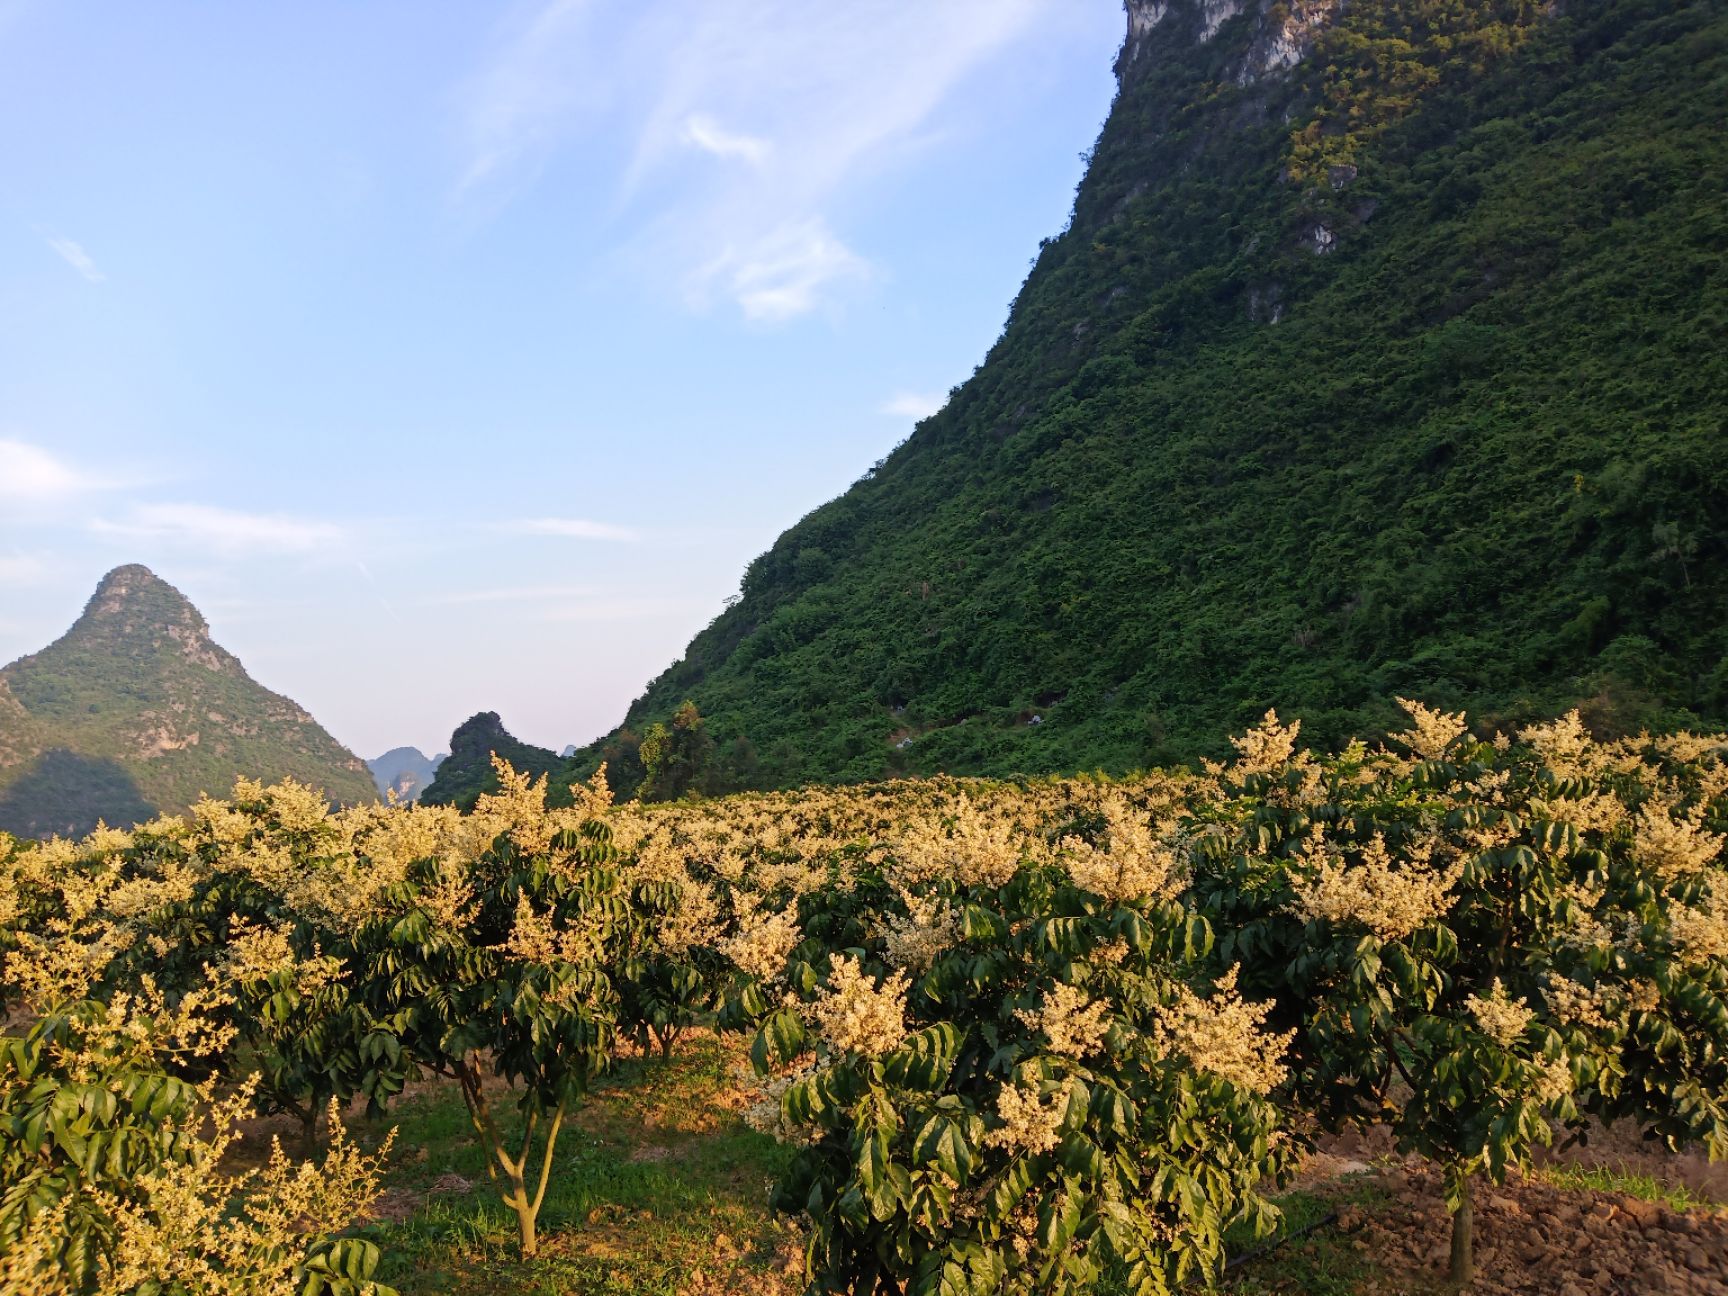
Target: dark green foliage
[
  {"x": 134, "y": 711},
  {"x": 1478, "y": 458},
  {"x": 676, "y": 759},
  {"x": 467, "y": 771}
]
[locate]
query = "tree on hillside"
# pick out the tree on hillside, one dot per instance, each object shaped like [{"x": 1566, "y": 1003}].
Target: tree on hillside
[{"x": 676, "y": 759}]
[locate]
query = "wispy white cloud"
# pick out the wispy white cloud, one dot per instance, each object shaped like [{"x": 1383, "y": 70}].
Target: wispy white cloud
[
  {"x": 508, "y": 594},
  {"x": 711, "y": 137},
  {"x": 783, "y": 274},
  {"x": 835, "y": 95},
  {"x": 74, "y": 255},
  {"x": 31, "y": 475},
  {"x": 572, "y": 529},
  {"x": 228, "y": 532},
  {"x": 620, "y": 608},
  {"x": 916, "y": 406}
]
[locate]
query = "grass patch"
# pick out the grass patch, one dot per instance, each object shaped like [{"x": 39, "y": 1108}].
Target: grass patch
[
  {"x": 1620, "y": 1179},
  {"x": 1321, "y": 1263},
  {"x": 657, "y": 1177}
]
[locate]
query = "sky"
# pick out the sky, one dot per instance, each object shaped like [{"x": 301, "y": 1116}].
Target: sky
[{"x": 459, "y": 356}]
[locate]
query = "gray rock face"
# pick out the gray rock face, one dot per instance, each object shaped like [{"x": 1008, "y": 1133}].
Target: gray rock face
[{"x": 1284, "y": 35}]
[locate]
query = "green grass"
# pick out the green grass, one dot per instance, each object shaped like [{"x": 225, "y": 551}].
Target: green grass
[
  {"x": 1320, "y": 1263},
  {"x": 1620, "y": 1179},
  {"x": 657, "y": 1177}
]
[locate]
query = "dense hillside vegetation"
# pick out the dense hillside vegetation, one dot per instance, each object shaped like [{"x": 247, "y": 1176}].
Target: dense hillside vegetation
[
  {"x": 135, "y": 711},
  {"x": 1397, "y": 370},
  {"x": 467, "y": 771}
]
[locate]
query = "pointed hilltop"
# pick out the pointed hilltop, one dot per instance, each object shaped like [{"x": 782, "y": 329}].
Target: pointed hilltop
[
  {"x": 467, "y": 771},
  {"x": 135, "y": 710}
]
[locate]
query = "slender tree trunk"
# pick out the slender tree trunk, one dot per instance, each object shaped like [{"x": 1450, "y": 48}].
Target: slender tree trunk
[
  {"x": 511, "y": 1170},
  {"x": 1463, "y": 1263},
  {"x": 309, "y": 1131}
]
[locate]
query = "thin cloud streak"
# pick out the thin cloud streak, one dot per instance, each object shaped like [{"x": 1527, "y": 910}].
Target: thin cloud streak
[
  {"x": 519, "y": 594},
  {"x": 835, "y": 95},
  {"x": 573, "y": 529},
  {"x": 76, "y": 257},
  {"x": 224, "y": 531},
  {"x": 711, "y": 137},
  {"x": 31, "y": 475}
]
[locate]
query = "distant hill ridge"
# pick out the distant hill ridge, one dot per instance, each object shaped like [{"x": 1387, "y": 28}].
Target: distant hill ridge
[
  {"x": 135, "y": 711},
  {"x": 404, "y": 771}
]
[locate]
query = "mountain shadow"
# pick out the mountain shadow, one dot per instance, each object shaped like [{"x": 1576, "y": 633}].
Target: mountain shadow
[{"x": 66, "y": 793}]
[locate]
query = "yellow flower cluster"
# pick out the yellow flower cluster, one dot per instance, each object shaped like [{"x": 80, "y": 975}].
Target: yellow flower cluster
[
  {"x": 1500, "y": 1017},
  {"x": 1225, "y": 1035},
  {"x": 854, "y": 1015},
  {"x": 921, "y": 937},
  {"x": 1073, "y": 1025},
  {"x": 1675, "y": 846},
  {"x": 192, "y": 1225},
  {"x": 1431, "y": 733},
  {"x": 1132, "y": 862},
  {"x": 762, "y": 944},
  {"x": 1700, "y": 932},
  {"x": 1390, "y": 898},
  {"x": 1579, "y": 1005},
  {"x": 1030, "y": 1123}
]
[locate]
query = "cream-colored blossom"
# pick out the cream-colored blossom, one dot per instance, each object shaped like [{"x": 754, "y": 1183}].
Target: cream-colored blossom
[
  {"x": 1073, "y": 1024},
  {"x": 965, "y": 845},
  {"x": 1031, "y": 1124},
  {"x": 1577, "y": 1005},
  {"x": 296, "y": 807},
  {"x": 855, "y": 1015},
  {"x": 1390, "y": 898},
  {"x": 930, "y": 928},
  {"x": 594, "y": 798},
  {"x": 1551, "y": 1079},
  {"x": 1268, "y": 747},
  {"x": 536, "y": 938},
  {"x": 1564, "y": 745},
  {"x": 193, "y": 1226},
  {"x": 1701, "y": 933},
  {"x": 1131, "y": 863},
  {"x": 518, "y": 807},
  {"x": 1224, "y": 1034},
  {"x": 1675, "y": 846},
  {"x": 762, "y": 944},
  {"x": 1431, "y": 733},
  {"x": 1500, "y": 1017}
]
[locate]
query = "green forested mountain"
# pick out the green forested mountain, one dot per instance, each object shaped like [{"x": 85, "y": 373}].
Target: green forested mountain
[
  {"x": 1386, "y": 352},
  {"x": 467, "y": 771},
  {"x": 135, "y": 711}
]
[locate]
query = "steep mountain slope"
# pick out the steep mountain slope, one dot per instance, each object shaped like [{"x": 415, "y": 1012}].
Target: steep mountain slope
[
  {"x": 406, "y": 771},
  {"x": 135, "y": 711},
  {"x": 1385, "y": 353},
  {"x": 467, "y": 771}
]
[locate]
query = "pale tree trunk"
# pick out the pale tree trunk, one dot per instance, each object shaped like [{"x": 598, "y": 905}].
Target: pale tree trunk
[
  {"x": 511, "y": 1171},
  {"x": 1462, "y": 1268}
]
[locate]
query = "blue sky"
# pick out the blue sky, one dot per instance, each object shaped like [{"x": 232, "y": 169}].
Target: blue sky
[{"x": 458, "y": 356}]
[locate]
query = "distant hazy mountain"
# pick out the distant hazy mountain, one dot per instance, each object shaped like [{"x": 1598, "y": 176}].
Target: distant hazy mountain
[
  {"x": 135, "y": 711},
  {"x": 467, "y": 771},
  {"x": 570, "y": 749},
  {"x": 406, "y": 771}
]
